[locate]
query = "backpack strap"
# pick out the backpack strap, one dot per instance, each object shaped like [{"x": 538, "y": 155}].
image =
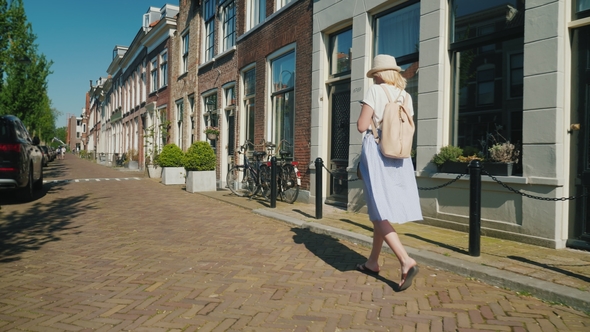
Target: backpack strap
[{"x": 373, "y": 126}]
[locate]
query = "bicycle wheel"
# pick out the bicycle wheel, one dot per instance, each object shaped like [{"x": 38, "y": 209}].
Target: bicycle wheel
[
  {"x": 264, "y": 180},
  {"x": 289, "y": 189},
  {"x": 239, "y": 181}
]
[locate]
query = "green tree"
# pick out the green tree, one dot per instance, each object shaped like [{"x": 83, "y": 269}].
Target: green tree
[
  {"x": 23, "y": 72},
  {"x": 61, "y": 133}
]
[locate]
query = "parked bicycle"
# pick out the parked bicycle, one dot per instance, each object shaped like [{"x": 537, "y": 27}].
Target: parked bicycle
[
  {"x": 288, "y": 176},
  {"x": 249, "y": 179}
]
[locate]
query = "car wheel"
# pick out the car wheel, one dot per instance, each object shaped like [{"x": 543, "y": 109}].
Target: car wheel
[
  {"x": 26, "y": 193},
  {"x": 39, "y": 183}
]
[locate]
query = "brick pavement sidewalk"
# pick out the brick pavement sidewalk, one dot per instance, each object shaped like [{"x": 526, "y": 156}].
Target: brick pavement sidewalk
[{"x": 561, "y": 276}]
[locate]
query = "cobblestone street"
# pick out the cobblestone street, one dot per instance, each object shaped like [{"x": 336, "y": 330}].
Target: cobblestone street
[{"x": 107, "y": 250}]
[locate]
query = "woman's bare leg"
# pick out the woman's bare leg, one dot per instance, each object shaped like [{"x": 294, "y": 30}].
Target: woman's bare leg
[
  {"x": 383, "y": 231},
  {"x": 373, "y": 261}
]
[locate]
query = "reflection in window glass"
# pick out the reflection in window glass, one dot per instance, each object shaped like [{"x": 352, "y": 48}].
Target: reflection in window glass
[
  {"x": 229, "y": 26},
  {"x": 283, "y": 72},
  {"x": 250, "y": 82},
  {"x": 489, "y": 98},
  {"x": 516, "y": 74},
  {"x": 488, "y": 71},
  {"x": 249, "y": 92},
  {"x": 582, "y": 5},
  {"x": 340, "y": 52},
  {"x": 485, "y": 86},
  {"x": 283, "y": 80},
  {"x": 256, "y": 12},
  {"x": 477, "y": 18},
  {"x": 397, "y": 33}
]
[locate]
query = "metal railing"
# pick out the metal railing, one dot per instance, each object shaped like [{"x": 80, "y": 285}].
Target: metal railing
[{"x": 474, "y": 170}]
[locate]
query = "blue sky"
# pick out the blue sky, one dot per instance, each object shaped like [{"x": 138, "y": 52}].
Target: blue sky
[{"x": 79, "y": 37}]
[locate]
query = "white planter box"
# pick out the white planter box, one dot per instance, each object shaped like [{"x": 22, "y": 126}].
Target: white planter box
[
  {"x": 201, "y": 181},
  {"x": 173, "y": 175},
  {"x": 133, "y": 164},
  {"x": 154, "y": 171}
]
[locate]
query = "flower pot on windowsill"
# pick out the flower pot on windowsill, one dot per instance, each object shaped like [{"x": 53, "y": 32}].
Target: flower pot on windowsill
[
  {"x": 212, "y": 136},
  {"x": 496, "y": 168},
  {"x": 455, "y": 167}
]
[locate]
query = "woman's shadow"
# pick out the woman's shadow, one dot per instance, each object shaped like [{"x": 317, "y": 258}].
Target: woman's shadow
[{"x": 334, "y": 253}]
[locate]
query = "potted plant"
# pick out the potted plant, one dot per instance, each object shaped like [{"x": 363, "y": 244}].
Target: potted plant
[
  {"x": 212, "y": 132},
  {"x": 133, "y": 159},
  {"x": 170, "y": 159},
  {"x": 502, "y": 155},
  {"x": 199, "y": 163},
  {"x": 447, "y": 160},
  {"x": 502, "y": 158},
  {"x": 152, "y": 166}
]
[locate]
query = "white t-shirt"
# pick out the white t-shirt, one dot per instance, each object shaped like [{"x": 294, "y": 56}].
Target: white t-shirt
[{"x": 377, "y": 99}]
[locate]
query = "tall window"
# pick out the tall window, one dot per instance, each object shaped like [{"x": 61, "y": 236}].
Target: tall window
[
  {"x": 179, "y": 118},
  {"x": 249, "y": 94},
  {"x": 487, "y": 50},
  {"x": 283, "y": 3},
  {"x": 229, "y": 94},
  {"x": 154, "y": 74},
  {"x": 191, "y": 105},
  {"x": 581, "y": 8},
  {"x": 256, "y": 13},
  {"x": 340, "y": 52},
  {"x": 229, "y": 25},
  {"x": 209, "y": 17},
  {"x": 164, "y": 69},
  {"x": 211, "y": 117},
  {"x": 397, "y": 33},
  {"x": 282, "y": 94},
  {"x": 185, "y": 48}
]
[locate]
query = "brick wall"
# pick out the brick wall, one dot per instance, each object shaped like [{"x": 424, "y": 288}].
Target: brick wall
[{"x": 292, "y": 26}]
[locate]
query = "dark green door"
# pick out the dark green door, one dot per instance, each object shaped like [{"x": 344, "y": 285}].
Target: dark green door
[
  {"x": 339, "y": 143},
  {"x": 581, "y": 110}
]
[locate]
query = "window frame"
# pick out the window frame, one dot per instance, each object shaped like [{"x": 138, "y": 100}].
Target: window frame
[
  {"x": 185, "y": 42},
  {"x": 249, "y": 101},
  {"x": 404, "y": 58},
  {"x": 255, "y": 15},
  {"x": 154, "y": 75},
  {"x": 470, "y": 116},
  {"x": 179, "y": 105},
  {"x": 332, "y": 41},
  {"x": 164, "y": 69},
  {"x": 229, "y": 25},
  {"x": 278, "y": 120},
  {"x": 209, "y": 29}
]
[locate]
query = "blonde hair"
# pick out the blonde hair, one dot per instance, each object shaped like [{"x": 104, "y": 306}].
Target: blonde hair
[{"x": 392, "y": 77}]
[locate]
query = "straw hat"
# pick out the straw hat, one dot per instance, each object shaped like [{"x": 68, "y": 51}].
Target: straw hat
[{"x": 383, "y": 62}]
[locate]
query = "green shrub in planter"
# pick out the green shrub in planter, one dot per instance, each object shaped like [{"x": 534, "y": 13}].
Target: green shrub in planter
[
  {"x": 199, "y": 157},
  {"x": 449, "y": 152},
  {"x": 171, "y": 156}
]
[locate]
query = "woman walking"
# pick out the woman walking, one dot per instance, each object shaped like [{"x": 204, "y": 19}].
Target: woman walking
[{"x": 390, "y": 184}]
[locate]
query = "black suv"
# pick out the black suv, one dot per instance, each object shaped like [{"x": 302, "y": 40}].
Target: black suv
[{"x": 21, "y": 160}]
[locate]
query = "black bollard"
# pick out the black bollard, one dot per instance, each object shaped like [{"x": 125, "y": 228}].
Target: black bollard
[
  {"x": 474, "y": 207},
  {"x": 273, "y": 182},
  {"x": 318, "y": 187}
]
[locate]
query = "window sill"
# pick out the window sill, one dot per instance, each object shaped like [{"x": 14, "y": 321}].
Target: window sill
[
  {"x": 555, "y": 182},
  {"x": 338, "y": 79},
  {"x": 205, "y": 64},
  {"x": 225, "y": 53}
]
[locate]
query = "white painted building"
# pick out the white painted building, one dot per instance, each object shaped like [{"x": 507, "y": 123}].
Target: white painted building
[{"x": 517, "y": 68}]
